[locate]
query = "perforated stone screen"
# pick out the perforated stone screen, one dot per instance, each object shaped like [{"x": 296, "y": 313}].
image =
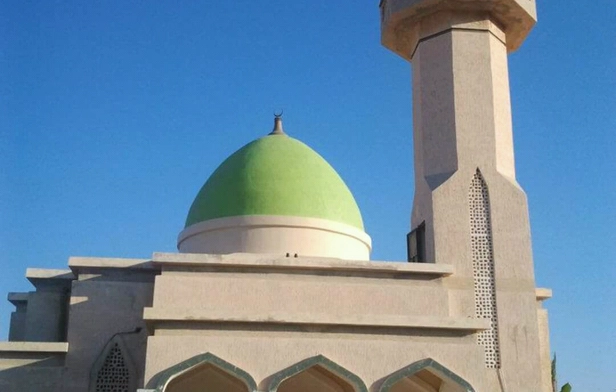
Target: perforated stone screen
[
  {"x": 483, "y": 268},
  {"x": 114, "y": 375}
]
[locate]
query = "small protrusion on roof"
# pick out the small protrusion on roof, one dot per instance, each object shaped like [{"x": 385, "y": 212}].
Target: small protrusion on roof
[{"x": 277, "y": 125}]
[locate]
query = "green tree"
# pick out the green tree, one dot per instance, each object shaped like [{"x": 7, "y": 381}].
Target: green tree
[{"x": 566, "y": 387}]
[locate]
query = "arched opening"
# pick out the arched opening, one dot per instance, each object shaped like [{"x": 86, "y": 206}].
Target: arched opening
[
  {"x": 206, "y": 377},
  {"x": 203, "y": 373},
  {"x": 315, "y": 378},
  {"x": 316, "y": 374},
  {"x": 425, "y": 376}
]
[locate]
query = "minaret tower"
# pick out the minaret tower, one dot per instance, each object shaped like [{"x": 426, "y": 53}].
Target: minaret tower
[{"x": 468, "y": 208}]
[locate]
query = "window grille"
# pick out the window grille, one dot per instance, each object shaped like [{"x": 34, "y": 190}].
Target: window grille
[{"x": 114, "y": 374}]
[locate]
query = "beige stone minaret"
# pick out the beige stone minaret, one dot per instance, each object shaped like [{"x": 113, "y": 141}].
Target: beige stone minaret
[{"x": 468, "y": 204}]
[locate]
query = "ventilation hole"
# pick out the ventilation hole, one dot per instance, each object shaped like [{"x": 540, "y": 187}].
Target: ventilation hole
[
  {"x": 483, "y": 268},
  {"x": 114, "y": 375}
]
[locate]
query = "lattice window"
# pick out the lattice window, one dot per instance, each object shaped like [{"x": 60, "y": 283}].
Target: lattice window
[
  {"x": 483, "y": 268},
  {"x": 114, "y": 375}
]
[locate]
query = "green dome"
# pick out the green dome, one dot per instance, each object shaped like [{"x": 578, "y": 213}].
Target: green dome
[{"x": 275, "y": 175}]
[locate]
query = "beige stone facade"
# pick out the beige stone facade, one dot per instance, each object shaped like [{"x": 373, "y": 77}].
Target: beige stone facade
[
  {"x": 358, "y": 322},
  {"x": 302, "y": 308}
]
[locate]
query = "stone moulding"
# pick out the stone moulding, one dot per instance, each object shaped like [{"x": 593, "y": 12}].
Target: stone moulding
[
  {"x": 469, "y": 325},
  {"x": 159, "y": 382},
  {"x": 319, "y": 360},
  {"x": 415, "y": 367}
]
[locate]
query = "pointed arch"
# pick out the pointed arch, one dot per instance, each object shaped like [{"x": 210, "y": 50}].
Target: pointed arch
[
  {"x": 482, "y": 251},
  {"x": 202, "y": 363},
  {"x": 319, "y": 369},
  {"x": 114, "y": 370},
  {"x": 428, "y": 372}
]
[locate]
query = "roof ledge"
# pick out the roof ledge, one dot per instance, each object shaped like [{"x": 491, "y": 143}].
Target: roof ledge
[
  {"x": 543, "y": 294},
  {"x": 250, "y": 262},
  {"x": 34, "y": 347},
  {"x": 18, "y": 298},
  {"x": 42, "y": 278},
  {"x": 81, "y": 264}
]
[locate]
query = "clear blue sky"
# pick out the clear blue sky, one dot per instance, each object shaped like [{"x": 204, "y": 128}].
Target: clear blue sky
[{"x": 113, "y": 114}]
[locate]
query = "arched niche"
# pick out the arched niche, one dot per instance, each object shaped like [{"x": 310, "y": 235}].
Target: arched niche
[
  {"x": 203, "y": 373},
  {"x": 426, "y": 375},
  {"x": 316, "y": 374},
  {"x": 114, "y": 369}
]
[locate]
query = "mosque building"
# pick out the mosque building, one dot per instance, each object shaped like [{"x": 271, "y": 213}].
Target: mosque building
[{"x": 273, "y": 288}]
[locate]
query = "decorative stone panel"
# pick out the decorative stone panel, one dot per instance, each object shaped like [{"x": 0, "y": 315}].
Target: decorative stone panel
[
  {"x": 483, "y": 268},
  {"x": 114, "y": 370}
]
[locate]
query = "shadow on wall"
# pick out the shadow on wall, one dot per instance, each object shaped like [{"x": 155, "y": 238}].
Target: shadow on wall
[
  {"x": 45, "y": 375},
  {"x": 107, "y": 336},
  {"x": 37, "y": 366},
  {"x": 104, "y": 327}
]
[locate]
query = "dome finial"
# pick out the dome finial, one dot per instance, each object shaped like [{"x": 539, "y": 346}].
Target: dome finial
[{"x": 277, "y": 124}]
